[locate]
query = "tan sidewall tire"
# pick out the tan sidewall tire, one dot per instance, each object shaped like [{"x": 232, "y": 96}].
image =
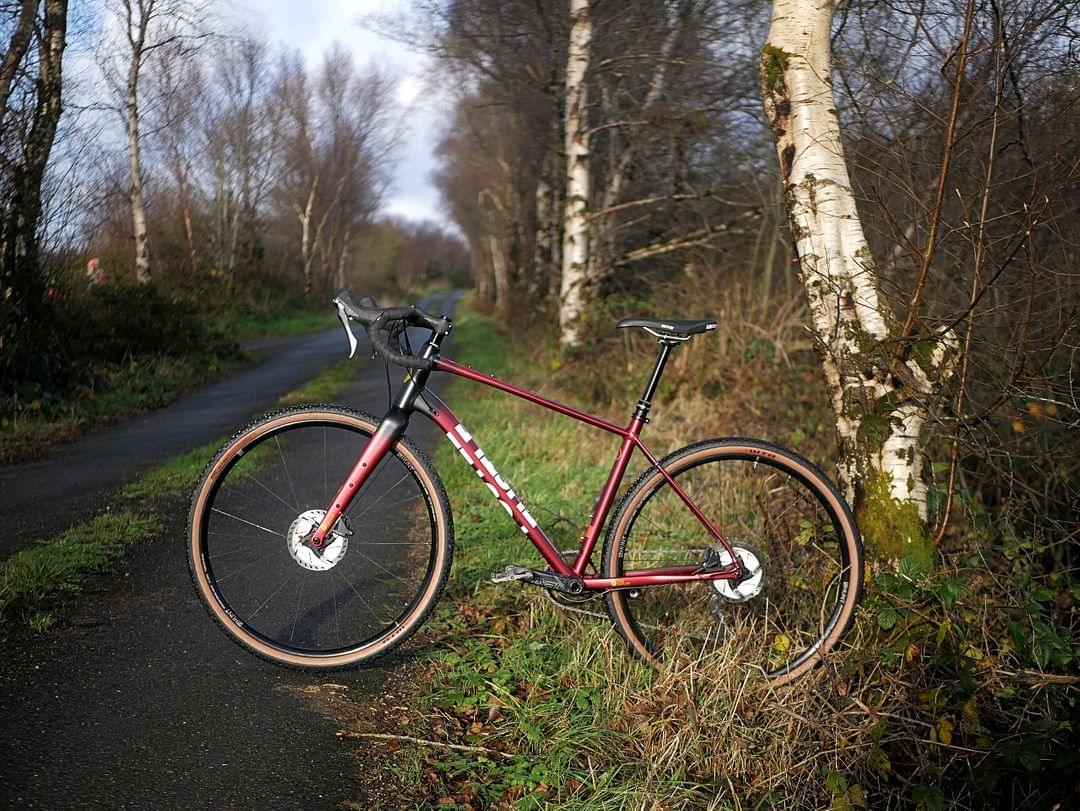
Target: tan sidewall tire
[
  {"x": 443, "y": 541},
  {"x": 675, "y": 463}
]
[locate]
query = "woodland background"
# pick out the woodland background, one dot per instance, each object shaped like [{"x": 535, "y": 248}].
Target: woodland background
[{"x": 221, "y": 179}]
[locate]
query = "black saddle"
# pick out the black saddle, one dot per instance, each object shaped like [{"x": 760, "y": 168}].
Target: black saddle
[{"x": 670, "y": 327}]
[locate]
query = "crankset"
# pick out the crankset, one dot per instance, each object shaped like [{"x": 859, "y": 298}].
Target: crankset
[
  {"x": 564, "y": 600},
  {"x": 546, "y": 580}
]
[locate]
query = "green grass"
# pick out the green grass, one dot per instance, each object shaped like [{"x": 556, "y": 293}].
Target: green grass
[
  {"x": 178, "y": 475},
  {"x": 968, "y": 705},
  {"x": 516, "y": 675},
  {"x": 174, "y": 478},
  {"x": 585, "y": 725},
  {"x": 329, "y": 383},
  {"x": 63, "y": 564},
  {"x": 144, "y": 383},
  {"x": 297, "y": 324}
]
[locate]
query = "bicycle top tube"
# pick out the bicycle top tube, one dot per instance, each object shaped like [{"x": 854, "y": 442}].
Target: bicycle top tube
[{"x": 469, "y": 373}]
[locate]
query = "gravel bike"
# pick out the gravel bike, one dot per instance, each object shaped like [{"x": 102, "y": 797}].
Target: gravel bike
[{"x": 321, "y": 536}]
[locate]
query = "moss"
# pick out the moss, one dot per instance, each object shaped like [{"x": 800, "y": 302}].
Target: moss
[
  {"x": 873, "y": 430},
  {"x": 810, "y": 183},
  {"x": 891, "y": 529},
  {"x": 923, "y": 354},
  {"x": 774, "y": 64},
  {"x": 865, "y": 257}
]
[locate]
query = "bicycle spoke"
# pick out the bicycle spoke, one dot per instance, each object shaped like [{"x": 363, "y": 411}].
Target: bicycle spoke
[
  {"x": 244, "y": 567},
  {"x": 274, "y": 594},
  {"x": 244, "y": 549},
  {"x": 760, "y": 508},
  {"x": 365, "y": 602},
  {"x": 251, "y": 523},
  {"x": 372, "y": 576},
  {"x": 268, "y": 490},
  {"x": 296, "y": 615},
  {"x": 292, "y": 488},
  {"x": 380, "y": 498}
]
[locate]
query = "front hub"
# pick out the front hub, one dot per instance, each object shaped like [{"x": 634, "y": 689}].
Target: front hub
[{"x": 334, "y": 544}]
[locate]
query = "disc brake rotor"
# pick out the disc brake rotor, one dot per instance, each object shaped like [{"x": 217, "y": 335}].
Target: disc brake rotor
[
  {"x": 750, "y": 586},
  {"x": 332, "y": 552}
]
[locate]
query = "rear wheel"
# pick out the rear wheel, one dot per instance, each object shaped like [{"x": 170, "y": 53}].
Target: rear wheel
[
  {"x": 788, "y": 524},
  {"x": 367, "y": 590}
]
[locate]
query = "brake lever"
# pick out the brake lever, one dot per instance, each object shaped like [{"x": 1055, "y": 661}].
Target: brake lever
[{"x": 348, "y": 327}]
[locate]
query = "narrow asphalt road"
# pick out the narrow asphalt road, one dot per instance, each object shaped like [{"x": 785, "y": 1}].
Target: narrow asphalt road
[
  {"x": 138, "y": 700},
  {"x": 46, "y": 496}
]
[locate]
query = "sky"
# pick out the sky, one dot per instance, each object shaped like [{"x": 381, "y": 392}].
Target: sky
[{"x": 311, "y": 25}]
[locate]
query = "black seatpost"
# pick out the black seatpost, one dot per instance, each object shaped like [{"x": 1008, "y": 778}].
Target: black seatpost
[{"x": 645, "y": 403}]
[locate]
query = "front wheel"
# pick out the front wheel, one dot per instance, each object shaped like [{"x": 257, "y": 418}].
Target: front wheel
[
  {"x": 368, "y": 589},
  {"x": 787, "y": 522}
]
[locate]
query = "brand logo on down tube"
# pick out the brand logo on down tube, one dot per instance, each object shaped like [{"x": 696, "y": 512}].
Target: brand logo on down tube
[{"x": 507, "y": 497}]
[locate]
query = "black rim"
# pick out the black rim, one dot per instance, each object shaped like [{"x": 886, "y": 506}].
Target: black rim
[
  {"x": 839, "y": 524},
  {"x": 389, "y": 625}
]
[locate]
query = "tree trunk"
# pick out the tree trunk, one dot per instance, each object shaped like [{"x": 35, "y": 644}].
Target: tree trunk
[
  {"x": 501, "y": 274},
  {"x": 189, "y": 228},
  {"x": 880, "y": 406},
  {"x": 306, "y": 253},
  {"x": 541, "y": 260},
  {"x": 138, "y": 206},
  {"x": 17, "y": 45},
  {"x": 498, "y": 223},
  {"x": 343, "y": 261},
  {"x": 603, "y": 244},
  {"x": 484, "y": 297},
  {"x": 21, "y": 285},
  {"x": 575, "y": 252}
]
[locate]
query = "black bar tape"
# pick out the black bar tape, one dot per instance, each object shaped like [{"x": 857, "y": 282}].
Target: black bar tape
[{"x": 383, "y": 348}]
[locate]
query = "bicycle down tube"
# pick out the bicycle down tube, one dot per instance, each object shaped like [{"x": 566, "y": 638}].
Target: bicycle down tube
[{"x": 414, "y": 397}]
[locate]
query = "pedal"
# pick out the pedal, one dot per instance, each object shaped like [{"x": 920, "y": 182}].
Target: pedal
[
  {"x": 511, "y": 573},
  {"x": 546, "y": 580}
]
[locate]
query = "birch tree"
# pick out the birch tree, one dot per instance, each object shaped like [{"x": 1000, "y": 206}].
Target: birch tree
[
  {"x": 241, "y": 144},
  {"x": 575, "y": 250},
  {"x": 16, "y": 48},
  {"x": 21, "y": 284},
  {"x": 144, "y": 28},
  {"x": 337, "y": 136},
  {"x": 881, "y": 384},
  {"x": 180, "y": 87}
]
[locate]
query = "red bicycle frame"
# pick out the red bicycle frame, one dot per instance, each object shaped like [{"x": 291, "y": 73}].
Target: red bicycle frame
[{"x": 413, "y": 396}]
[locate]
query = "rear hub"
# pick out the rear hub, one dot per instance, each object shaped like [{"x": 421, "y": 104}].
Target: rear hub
[{"x": 750, "y": 584}]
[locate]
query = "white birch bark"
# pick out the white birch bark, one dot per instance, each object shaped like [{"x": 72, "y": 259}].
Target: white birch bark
[
  {"x": 880, "y": 408},
  {"x": 138, "y": 19},
  {"x": 544, "y": 201},
  {"x": 575, "y": 250},
  {"x": 307, "y": 255}
]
